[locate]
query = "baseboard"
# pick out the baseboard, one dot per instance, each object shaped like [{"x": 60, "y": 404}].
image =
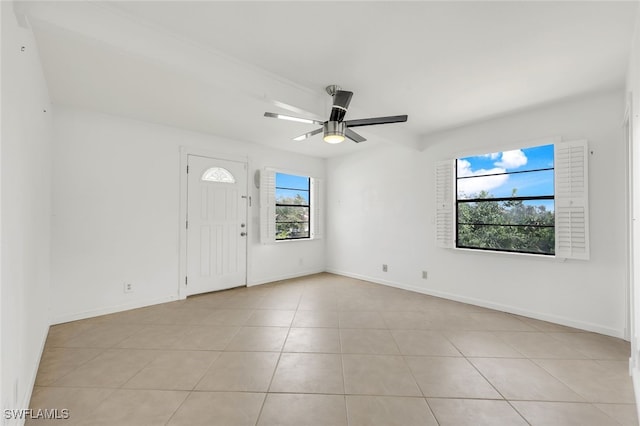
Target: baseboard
[
  {"x": 285, "y": 277},
  {"x": 111, "y": 309},
  {"x": 635, "y": 379},
  {"x": 26, "y": 397},
  {"x": 596, "y": 328},
  {"x": 141, "y": 304}
]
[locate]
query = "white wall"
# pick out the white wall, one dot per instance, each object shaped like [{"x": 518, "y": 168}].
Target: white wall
[
  {"x": 383, "y": 201},
  {"x": 25, "y": 224},
  {"x": 116, "y": 186}
]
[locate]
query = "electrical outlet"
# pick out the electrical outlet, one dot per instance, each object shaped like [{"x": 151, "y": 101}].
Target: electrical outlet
[
  {"x": 425, "y": 275},
  {"x": 128, "y": 287},
  {"x": 384, "y": 267},
  {"x": 301, "y": 261}
]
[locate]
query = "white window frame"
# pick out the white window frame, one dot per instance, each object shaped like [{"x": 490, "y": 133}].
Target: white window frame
[
  {"x": 268, "y": 206},
  {"x": 571, "y": 199}
]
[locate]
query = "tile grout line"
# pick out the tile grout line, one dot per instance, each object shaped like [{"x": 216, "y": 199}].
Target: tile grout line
[
  {"x": 486, "y": 379},
  {"x": 586, "y": 400},
  {"x": 178, "y": 407},
  {"x": 264, "y": 401}
]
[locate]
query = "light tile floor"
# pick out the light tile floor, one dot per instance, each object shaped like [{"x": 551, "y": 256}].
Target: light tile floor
[{"x": 330, "y": 350}]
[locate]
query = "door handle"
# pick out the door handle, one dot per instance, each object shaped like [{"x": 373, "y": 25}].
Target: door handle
[{"x": 243, "y": 234}]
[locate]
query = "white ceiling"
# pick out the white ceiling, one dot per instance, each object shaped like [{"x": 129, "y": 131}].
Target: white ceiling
[{"x": 217, "y": 66}]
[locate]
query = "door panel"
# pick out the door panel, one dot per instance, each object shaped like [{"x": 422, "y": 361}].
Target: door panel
[{"x": 216, "y": 215}]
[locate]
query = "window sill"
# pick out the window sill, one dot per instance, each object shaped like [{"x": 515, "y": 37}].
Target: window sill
[
  {"x": 510, "y": 254},
  {"x": 292, "y": 240}
]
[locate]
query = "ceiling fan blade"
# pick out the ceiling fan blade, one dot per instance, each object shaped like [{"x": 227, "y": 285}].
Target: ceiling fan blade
[
  {"x": 376, "y": 120},
  {"x": 291, "y": 118},
  {"x": 308, "y": 135},
  {"x": 353, "y": 136},
  {"x": 341, "y": 101}
]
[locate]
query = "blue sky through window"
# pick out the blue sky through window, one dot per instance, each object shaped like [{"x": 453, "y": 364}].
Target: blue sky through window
[
  {"x": 487, "y": 173},
  {"x": 295, "y": 185}
]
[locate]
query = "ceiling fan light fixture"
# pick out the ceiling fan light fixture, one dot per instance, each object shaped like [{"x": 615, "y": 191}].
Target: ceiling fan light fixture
[
  {"x": 333, "y": 132},
  {"x": 333, "y": 138}
]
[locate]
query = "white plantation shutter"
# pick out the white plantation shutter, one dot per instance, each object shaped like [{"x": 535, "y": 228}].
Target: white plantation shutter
[
  {"x": 267, "y": 206},
  {"x": 444, "y": 204},
  {"x": 571, "y": 200},
  {"x": 317, "y": 196}
]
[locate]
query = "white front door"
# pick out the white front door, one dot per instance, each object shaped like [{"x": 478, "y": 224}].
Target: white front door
[{"x": 216, "y": 224}]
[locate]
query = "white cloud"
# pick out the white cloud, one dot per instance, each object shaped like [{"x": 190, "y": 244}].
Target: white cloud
[
  {"x": 512, "y": 159},
  {"x": 493, "y": 155},
  {"x": 470, "y": 187},
  {"x": 496, "y": 179},
  {"x": 464, "y": 168}
]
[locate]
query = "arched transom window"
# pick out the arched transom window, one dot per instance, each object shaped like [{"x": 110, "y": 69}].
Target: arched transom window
[{"x": 218, "y": 174}]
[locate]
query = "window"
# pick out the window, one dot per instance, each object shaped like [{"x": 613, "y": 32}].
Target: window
[
  {"x": 505, "y": 201},
  {"x": 530, "y": 200},
  {"x": 292, "y": 206}
]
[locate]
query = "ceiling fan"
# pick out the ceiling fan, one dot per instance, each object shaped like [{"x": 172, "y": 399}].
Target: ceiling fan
[{"x": 335, "y": 129}]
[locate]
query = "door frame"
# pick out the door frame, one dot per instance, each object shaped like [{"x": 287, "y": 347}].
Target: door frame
[
  {"x": 185, "y": 152},
  {"x": 630, "y": 291}
]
